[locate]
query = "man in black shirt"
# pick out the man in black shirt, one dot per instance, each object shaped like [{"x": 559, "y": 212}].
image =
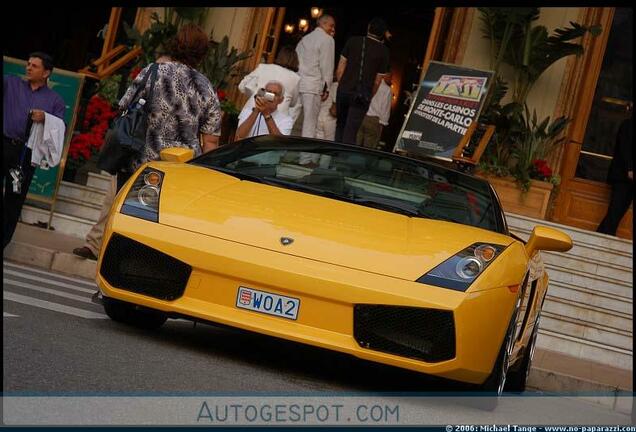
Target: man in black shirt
[
  {"x": 363, "y": 62},
  {"x": 621, "y": 178}
]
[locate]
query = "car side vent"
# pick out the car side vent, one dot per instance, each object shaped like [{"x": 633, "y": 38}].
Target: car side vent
[
  {"x": 418, "y": 333},
  {"x": 135, "y": 267}
]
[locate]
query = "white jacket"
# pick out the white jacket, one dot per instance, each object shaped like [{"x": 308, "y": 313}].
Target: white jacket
[
  {"x": 46, "y": 141},
  {"x": 316, "y": 53},
  {"x": 266, "y": 72},
  {"x": 381, "y": 104}
]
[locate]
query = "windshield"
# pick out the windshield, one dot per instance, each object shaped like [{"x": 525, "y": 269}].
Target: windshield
[{"x": 369, "y": 178}]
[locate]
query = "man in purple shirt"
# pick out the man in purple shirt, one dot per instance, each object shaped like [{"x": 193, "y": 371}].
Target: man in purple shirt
[{"x": 25, "y": 101}]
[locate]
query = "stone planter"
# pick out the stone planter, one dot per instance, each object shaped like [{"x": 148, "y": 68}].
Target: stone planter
[{"x": 533, "y": 203}]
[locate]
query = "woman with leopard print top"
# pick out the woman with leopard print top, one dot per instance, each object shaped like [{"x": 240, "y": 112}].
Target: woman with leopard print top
[{"x": 184, "y": 108}]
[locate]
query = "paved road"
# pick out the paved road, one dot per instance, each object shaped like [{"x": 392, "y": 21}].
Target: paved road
[{"x": 57, "y": 341}]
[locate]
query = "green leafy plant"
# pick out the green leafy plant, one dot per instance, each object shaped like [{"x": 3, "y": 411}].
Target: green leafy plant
[
  {"x": 222, "y": 63},
  {"x": 108, "y": 88},
  {"x": 227, "y": 106},
  {"x": 501, "y": 26},
  {"x": 520, "y": 139},
  {"x": 153, "y": 40},
  {"x": 537, "y": 51},
  {"x": 533, "y": 141}
]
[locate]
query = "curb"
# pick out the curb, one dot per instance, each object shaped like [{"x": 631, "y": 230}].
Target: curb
[
  {"x": 48, "y": 259},
  {"x": 556, "y": 382}
]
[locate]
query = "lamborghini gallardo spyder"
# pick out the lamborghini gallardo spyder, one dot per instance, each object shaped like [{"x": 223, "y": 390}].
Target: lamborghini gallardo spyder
[{"x": 390, "y": 259}]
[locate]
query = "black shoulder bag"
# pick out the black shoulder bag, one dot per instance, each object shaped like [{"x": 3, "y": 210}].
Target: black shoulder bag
[{"x": 126, "y": 137}]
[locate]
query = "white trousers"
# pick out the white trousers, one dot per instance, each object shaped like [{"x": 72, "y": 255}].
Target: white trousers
[
  {"x": 326, "y": 128},
  {"x": 311, "y": 109}
]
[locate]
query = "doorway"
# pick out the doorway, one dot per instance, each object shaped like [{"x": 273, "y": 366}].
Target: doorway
[
  {"x": 584, "y": 195},
  {"x": 410, "y": 28}
]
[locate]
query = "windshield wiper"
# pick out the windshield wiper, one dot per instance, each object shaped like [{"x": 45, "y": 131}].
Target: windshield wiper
[
  {"x": 393, "y": 206},
  {"x": 238, "y": 174},
  {"x": 303, "y": 187}
]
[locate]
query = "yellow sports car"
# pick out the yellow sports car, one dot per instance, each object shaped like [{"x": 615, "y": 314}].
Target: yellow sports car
[{"x": 383, "y": 257}]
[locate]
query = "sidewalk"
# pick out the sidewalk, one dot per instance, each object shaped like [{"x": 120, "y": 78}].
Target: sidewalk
[
  {"x": 552, "y": 372},
  {"x": 49, "y": 250}
]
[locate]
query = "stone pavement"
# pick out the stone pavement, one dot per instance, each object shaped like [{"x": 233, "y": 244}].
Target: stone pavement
[{"x": 552, "y": 372}]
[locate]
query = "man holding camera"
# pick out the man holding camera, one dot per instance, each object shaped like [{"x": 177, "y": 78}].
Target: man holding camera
[{"x": 260, "y": 115}]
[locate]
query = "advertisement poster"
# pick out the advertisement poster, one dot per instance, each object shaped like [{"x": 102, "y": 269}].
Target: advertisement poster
[
  {"x": 69, "y": 86},
  {"x": 449, "y": 99}
]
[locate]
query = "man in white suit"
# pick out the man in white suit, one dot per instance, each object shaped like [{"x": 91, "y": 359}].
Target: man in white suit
[{"x": 316, "y": 54}]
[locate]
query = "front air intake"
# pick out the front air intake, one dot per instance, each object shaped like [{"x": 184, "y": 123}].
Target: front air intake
[
  {"x": 135, "y": 267},
  {"x": 418, "y": 333}
]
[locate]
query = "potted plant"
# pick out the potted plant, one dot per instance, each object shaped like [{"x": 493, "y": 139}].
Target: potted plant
[
  {"x": 520, "y": 139},
  {"x": 87, "y": 142},
  {"x": 525, "y": 187},
  {"x": 229, "y": 120},
  {"x": 221, "y": 66}
]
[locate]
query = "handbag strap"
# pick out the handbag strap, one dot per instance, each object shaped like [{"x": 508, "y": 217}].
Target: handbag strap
[
  {"x": 152, "y": 73},
  {"x": 364, "y": 40}
]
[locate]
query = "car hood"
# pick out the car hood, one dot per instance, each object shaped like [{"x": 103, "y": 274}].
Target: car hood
[{"x": 205, "y": 201}]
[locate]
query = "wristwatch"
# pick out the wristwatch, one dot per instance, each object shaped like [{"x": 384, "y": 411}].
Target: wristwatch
[{"x": 267, "y": 117}]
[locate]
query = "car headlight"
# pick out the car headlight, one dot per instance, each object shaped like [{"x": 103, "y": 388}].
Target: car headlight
[
  {"x": 461, "y": 270},
  {"x": 142, "y": 200}
]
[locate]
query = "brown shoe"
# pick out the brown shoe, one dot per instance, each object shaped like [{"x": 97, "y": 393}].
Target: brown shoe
[{"x": 85, "y": 252}]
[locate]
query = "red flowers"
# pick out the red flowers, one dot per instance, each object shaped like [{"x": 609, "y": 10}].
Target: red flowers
[
  {"x": 98, "y": 113},
  {"x": 134, "y": 72},
  {"x": 540, "y": 169},
  {"x": 221, "y": 95}
]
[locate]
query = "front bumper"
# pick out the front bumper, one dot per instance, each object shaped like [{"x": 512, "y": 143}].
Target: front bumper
[{"x": 328, "y": 294}]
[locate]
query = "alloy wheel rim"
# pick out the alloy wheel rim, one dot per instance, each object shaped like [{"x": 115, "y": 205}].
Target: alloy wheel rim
[
  {"x": 504, "y": 366},
  {"x": 510, "y": 343},
  {"x": 533, "y": 343},
  {"x": 534, "y": 336}
]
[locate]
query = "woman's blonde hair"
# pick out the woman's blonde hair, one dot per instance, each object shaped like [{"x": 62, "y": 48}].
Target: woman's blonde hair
[{"x": 287, "y": 58}]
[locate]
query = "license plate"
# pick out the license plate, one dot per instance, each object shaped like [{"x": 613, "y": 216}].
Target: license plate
[{"x": 267, "y": 303}]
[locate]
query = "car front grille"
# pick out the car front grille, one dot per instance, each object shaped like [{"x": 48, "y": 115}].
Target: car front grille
[
  {"x": 419, "y": 333},
  {"x": 135, "y": 267}
]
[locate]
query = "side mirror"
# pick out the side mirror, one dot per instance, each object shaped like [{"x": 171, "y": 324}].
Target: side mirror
[
  {"x": 549, "y": 239},
  {"x": 176, "y": 154}
]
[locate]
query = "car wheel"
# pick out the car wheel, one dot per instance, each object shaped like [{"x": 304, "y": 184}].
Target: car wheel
[
  {"x": 518, "y": 378},
  {"x": 128, "y": 313},
  {"x": 496, "y": 382}
]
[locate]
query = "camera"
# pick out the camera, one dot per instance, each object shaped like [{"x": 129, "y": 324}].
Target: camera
[{"x": 268, "y": 96}]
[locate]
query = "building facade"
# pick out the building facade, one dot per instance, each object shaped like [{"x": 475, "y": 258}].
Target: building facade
[{"x": 593, "y": 90}]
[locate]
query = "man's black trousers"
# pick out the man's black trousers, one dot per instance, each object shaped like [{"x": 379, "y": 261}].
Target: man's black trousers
[{"x": 12, "y": 202}]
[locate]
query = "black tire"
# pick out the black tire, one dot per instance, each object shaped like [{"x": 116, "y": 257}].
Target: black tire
[
  {"x": 494, "y": 385},
  {"x": 517, "y": 378},
  {"x": 133, "y": 315}
]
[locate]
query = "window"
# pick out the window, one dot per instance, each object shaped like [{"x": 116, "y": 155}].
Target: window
[{"x": 613, "y": 97}]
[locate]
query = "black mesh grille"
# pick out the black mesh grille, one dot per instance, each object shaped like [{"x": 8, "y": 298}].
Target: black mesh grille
[
  {"x": 135, "y": 267},
  {"x": 423, "y": 334}
]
